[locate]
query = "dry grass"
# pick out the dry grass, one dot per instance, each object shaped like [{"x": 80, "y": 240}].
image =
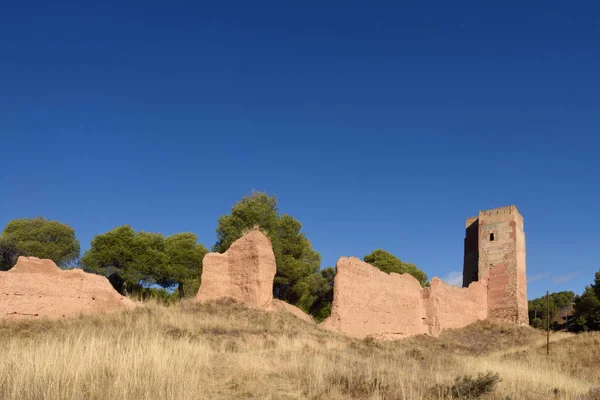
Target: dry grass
[{"x": 224, "y": 350}]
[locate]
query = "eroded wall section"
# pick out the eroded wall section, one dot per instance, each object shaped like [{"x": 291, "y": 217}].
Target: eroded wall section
[
  {"x": 369, "y": 302},
  {"x": 244, "y": 272},
  {"x": 36, "y": 288},
  {"x": 451, "y": 307}
]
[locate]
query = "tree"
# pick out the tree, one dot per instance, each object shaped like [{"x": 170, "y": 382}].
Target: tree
[
  {"x": 317, "y": 297},
  {"x": 389, "y": 263},
  {"x": 536, "y": 323},
  {"x": 40, "y": 238},
  {"x": 256, "y": 210},
  {"x": 184, "y": 263},
  {"x": 295, "y": 258},
  {"x": 560, "y": 307},
  {"x": 133, "y": 260},
  {"x": 587, "y": 307},
  {"x": 8, "y": 253},
  {"x": 596, "y": 285},
  {"x": 114, "y": 254},
  {"x": 150, "y": 259},
  {"x": 585, "y": 314}
]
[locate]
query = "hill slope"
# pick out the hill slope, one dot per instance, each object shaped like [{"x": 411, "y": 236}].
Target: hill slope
[{"x": 224, "y": 350}]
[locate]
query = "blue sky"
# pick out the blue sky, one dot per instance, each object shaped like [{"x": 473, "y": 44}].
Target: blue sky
[{"x": 376, "y": 124}]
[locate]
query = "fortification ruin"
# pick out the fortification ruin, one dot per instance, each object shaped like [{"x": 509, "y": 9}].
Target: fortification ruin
[
  {"x": 245, "y": 272},
  {"x": 495, "y": 251},
  {"x": 36, "y": 288},
  {"x": 369, "y": 302}
]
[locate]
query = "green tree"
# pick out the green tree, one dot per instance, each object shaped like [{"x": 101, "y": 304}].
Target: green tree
[
  {"x": 295, "y": 258},
  {"x": 587, "y": 307},
  {"x": 40, "y": 238},
  {"x": 388, "y": 263},
  {"x": 257, "y": 210},
  {"x": 560, "y": 306},
  {"x": 114, "y": 254},
  {"x": 184, "y": 263},
  {"x": 596, "y": 285},
  {"x": 317, "y": 297},
  {"x": 150, "y": 259},
  {"x": 537, "y": 311},
  {"x": 585, "y": 314},
  {"x": 133, "y": 260}
]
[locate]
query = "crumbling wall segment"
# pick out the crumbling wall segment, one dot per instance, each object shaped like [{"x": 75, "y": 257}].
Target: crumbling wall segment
[
  {"x": 451, "y": 307},
  {"x": 37, "y": 288},
  {"x": 369, "y": 302},
  {"x": 245, "y": 272}
]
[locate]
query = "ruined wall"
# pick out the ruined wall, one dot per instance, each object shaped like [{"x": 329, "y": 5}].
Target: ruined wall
[
  {"x": 500, "y": 259},
  {"x": 369, "y": 302},
  {"x": 244, "y": 272},
  {"x": 36, "y": 288},
  {"x": 451, "y": 307}
]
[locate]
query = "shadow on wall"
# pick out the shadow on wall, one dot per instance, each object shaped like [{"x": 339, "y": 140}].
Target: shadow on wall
[{"x": 471, "y": 252}]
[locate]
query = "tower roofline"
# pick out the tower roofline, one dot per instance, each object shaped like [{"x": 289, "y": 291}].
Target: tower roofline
[{"x": 511, "y": 209}]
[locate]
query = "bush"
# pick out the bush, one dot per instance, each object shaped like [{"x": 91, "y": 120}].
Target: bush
[
  {"x": 160, "y": 295},
  {"x": 359, "y": 384},
  {"x": 415, "y": 354},
  {"x": 467, "y": 387}
]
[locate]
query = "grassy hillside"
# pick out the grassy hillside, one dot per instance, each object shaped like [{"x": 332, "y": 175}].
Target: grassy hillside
[{"x": 224, "y": 350}]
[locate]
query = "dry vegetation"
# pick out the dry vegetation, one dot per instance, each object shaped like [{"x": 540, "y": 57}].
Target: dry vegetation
[{"x": 224, "y": 350}]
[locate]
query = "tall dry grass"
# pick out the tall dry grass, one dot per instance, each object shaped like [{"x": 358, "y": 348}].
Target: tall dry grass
[{"x": 224, "y": 350}]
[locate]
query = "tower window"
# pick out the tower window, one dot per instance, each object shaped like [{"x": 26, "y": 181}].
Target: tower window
[{"x": 491, "y": 237}]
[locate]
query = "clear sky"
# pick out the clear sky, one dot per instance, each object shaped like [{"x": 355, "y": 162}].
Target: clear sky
[{"x": 376, "y": 124}]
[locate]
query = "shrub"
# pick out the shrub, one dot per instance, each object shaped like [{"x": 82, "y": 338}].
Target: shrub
[
  {"x": 467, "y": 387},
  {"x": 415, "y": 354},
  {"x": 472, "y": 388},
  {"x": 359, "y": 384}
]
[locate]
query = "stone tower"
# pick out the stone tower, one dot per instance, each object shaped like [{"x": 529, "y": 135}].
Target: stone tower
[{"x": 495, "y": 251}]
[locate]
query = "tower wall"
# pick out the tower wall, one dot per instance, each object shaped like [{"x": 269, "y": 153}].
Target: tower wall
[
  {"x": 471, "y": 258},
  {"x": 500, "y": 259}
]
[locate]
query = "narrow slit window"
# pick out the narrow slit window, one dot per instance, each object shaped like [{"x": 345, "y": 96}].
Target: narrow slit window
[{"x": 491, "y": 237}]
